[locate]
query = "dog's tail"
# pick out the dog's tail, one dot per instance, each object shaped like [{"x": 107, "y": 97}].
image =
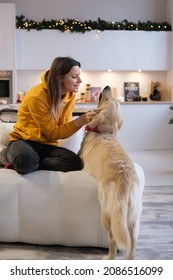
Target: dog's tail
[{"x": 119, "y": 216}]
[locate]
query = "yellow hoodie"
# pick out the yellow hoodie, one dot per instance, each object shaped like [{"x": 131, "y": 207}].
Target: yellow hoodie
[{"x": 36, "y": 122}]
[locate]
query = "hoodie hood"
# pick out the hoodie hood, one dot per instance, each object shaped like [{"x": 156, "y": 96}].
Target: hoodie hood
[{"x": 43, "y": 79}]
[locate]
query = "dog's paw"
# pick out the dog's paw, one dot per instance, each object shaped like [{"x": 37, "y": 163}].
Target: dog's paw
[
  {"x": 108, "y": 257},
  {"x": 105, "y": 258}
]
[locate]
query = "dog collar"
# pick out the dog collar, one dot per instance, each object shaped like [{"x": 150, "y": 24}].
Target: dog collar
[{"x": 95, "y": 129}]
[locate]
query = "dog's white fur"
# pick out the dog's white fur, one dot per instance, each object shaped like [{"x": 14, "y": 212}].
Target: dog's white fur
[{"x": 105, "y": 159}]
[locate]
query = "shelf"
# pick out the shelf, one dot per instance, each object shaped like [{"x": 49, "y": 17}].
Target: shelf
[{"x": 146, "y": 102}]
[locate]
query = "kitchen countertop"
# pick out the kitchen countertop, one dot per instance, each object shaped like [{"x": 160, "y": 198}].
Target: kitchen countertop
[
  {"x": 84, "y": 107},
  {"x": 128, "y": 102}
]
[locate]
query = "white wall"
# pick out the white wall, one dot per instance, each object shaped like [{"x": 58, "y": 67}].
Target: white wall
[
  {"x": 117, "y": 10},
  {"x": 7, "y": 37}
]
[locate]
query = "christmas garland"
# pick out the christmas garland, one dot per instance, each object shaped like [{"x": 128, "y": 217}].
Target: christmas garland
[{"x": 81, "y": 27}]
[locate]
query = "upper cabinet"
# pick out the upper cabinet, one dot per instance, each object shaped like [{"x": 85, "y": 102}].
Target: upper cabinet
[
  {"x": 116, "y": 50},
  {"x": 7, "y": 36}
]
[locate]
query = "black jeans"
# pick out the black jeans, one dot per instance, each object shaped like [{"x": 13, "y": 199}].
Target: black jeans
[{"x": 28, "y": 156}]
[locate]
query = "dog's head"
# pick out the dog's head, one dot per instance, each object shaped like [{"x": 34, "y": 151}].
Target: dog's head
[
  {"x": 105, "y": 95},
  {"x": 109, "y": 117}
]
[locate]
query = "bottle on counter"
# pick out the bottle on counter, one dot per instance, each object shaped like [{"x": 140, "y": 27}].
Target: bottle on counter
[{"x": 88, "y": 92}]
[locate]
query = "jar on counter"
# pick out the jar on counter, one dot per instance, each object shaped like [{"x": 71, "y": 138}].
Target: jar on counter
[
  {"x": 88, "y": 92},
  {"x": 82, "y": 95},
  {"x": 20, "y": 96}
]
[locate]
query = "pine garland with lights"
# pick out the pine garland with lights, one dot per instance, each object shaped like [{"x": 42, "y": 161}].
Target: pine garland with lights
[{"x": 73, "y": 25}]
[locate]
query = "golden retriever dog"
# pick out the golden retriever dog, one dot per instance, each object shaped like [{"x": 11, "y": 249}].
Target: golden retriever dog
[{"x": 106, "y": 160}]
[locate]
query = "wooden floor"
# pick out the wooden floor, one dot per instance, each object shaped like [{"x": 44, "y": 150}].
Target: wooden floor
[
  {"x": 156, "y": 234},
  {"x": 155, "y": 241}
]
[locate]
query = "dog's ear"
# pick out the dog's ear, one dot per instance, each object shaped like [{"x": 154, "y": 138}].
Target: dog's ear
[
  {"x": 100, "y": 97},
  {"x": 120, "y": 124},
  {"x": 119, "y": 117}
]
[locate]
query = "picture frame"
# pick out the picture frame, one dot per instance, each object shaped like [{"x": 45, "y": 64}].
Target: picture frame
[
  {"x": 131, "y": 91},
  {"x": 94, "y": 94}
]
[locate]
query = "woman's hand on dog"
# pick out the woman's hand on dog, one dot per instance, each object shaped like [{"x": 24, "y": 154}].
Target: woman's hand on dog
[{"x": 86, "y": 118}]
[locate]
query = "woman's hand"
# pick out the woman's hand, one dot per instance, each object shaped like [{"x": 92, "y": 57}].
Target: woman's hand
[
  {"x": 85, "y": 118},
  {"x": 89, "y": 116}
]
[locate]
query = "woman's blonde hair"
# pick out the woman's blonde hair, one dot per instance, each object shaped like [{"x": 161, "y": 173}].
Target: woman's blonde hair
[{"x": 60, "y": 67}]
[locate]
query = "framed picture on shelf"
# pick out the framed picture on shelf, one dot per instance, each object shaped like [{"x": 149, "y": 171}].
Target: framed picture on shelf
[
  {"x": 131, "y": 91},
  {"x": 94, "y": 94}
]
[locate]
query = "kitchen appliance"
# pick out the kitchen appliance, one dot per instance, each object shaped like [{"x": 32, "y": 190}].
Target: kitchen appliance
[{"x": 5, "y": 86}]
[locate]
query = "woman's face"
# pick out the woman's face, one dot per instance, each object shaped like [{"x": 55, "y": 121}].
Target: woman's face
[{"x": 71, "y": 81}]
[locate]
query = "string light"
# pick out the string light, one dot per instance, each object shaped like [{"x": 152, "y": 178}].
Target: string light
[{"x": 97, "y": 33}]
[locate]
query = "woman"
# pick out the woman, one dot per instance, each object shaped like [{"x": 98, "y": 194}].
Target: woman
[{"x": 45, "y": 115}]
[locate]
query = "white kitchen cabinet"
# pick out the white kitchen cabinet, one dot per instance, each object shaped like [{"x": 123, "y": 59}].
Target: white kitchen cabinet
[
  {"x": 7, "y": 36},
  {"x": 116, "y": 50},
  {"x": 145, "y": 126}
]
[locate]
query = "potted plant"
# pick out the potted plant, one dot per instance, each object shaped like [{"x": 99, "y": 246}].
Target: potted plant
[{"x": 171, "y": 120}]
